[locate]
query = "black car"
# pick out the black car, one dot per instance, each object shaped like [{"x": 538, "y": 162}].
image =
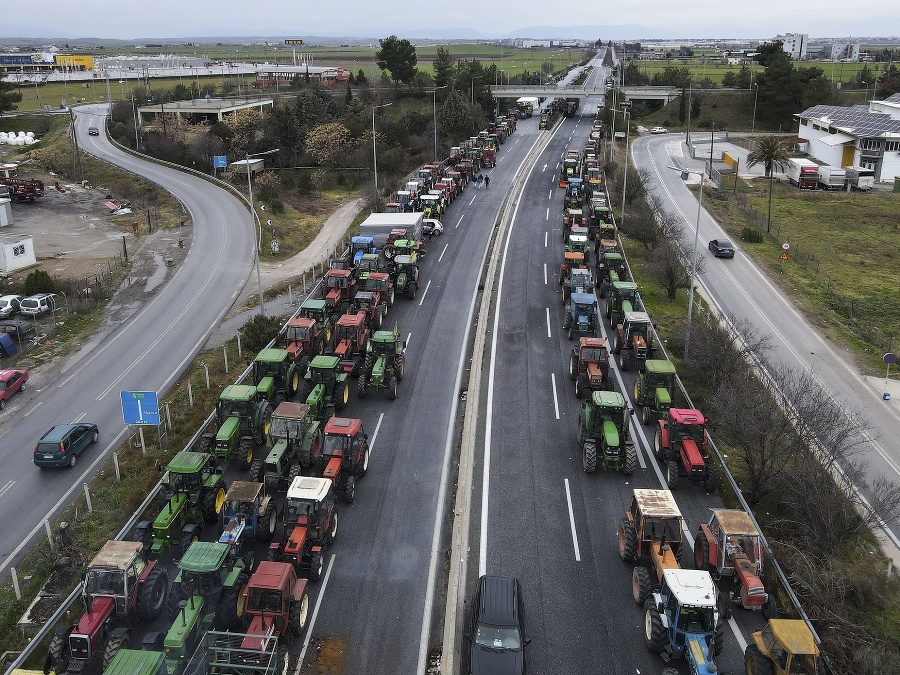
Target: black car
[
  {"x": 93, "y": 131},
  {"x": 18, "y": 329},
  {"x": 721, "y": 248},
  {"x": 495, "y": 639}
]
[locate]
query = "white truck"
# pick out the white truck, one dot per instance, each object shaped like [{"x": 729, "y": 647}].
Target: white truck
[
  {"x": 803, "y": 173},
  {"x": 527, "y": 105},
  {"x": 379, "y": 226},
  {"x": 832, "y": 177},
  {"x": 860, "y": 178}
]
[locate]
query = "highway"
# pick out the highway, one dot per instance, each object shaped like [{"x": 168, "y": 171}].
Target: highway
[{"x": 147, "y": 352}]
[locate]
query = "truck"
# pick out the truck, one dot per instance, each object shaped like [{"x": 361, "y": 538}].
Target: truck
[
  {"x": 860, "y": 178},
  {"x": 527, "y": 105},
  {"x": 379, "y": 226},
  {"x": 20, "y": 188},
  {"x": 832, "y": 177},
  {"x": 803, "y": 173}
]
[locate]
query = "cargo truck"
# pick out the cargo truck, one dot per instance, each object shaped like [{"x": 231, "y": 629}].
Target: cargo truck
[
  {"x": 860, "y": 178},
  {"x": 803, "y": 173},
  {"x": 20, "y": 188},
  {"x": 379, "y": 226},
  {"x": 832, "y": 177},
  {"x": 526, "y": 105}
]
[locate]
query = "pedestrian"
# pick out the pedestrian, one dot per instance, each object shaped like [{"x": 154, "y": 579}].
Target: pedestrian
[
  {"x": 487, "y": 182},
  {"x": 479, "y": 180}
]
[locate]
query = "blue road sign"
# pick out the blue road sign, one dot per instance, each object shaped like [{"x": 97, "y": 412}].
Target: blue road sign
[
  {"x": 140, "y": 407},
  {"x": 220, "y": 162},
  {"x": 889, "y": 358}
]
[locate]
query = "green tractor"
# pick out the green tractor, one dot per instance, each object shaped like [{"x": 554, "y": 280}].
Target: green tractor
[
  {"x": 623, "y": 297},
  {"x": 405, "y": 275},
  {"x": 603, "y": 433},
  {"x": 243, "y": 417},
  {"x": 275, "y": 375},
  {"x": 654, "y": 389},
  {"x": 610, "y": 268},
  {"x": 385, "y": 363},
  {"x": 368, "y": 263},
  {"x": 325, "y": 388},
  {"x": 134, "y": 662},
  {"x": 196, "y": 493},
  {"x": 296, "y": 440},
  {"x": 317, "y": 309}
]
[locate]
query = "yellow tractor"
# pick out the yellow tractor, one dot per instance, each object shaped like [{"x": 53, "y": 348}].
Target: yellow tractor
[{"x": 783, "y": 647}]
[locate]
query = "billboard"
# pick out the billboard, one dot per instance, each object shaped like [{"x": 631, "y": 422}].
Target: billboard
[{"x": 18, "y": 59}]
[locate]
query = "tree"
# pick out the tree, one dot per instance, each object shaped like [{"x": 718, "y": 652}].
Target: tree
[
  {"x": 361, "y": 79},
  {"x": 443, "y": 67},
  {"x": 696, "y": 104},
  {"x": 744, "y": 79},
  {"x": 770, "y": 152},
  {"x": 729, "y": 79},
  {"x": 456, "y": 116},
  {"x": 682, "y": 107},
  {"x": 327, "y": 143},
  {"x": 398, "y": 57},
  {"x": 8, "y": 97},
  {"x": 668, "y": 268},
  {"x": 257, "y": 332}
]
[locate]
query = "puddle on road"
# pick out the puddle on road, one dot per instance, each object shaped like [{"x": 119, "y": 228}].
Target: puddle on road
[{"x": 327, "y": 656}]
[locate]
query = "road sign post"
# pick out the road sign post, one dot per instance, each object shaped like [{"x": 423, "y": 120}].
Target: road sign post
[
  {"x": 888, "y": 358},
  {"x": 140, "y": 408}
]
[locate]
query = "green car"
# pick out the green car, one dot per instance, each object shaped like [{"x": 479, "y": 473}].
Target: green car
[{"x": 63, "y": 443}]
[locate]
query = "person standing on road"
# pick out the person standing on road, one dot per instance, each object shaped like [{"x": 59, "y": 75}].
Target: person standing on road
[{"x": 487, "y": 182}]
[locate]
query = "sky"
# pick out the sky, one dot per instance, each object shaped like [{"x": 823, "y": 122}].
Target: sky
[{"x": 112, "y": 19}]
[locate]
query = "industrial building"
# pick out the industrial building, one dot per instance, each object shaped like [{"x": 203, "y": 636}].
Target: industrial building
[
  {"x": 795, "y": 44},
  {"x": 273, "y": 75},
  {"x": 201, "y": 110}
]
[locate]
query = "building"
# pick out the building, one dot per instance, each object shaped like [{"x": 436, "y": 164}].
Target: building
[
  {"x": 16, "y": 252},
  {"x": 74, "y": 61},
  {"x": 202, "y": 110},
  {"x": 270, "y": 75},
  {"x": 794, "y": 44},
  {"x": 859, "y": 135},
  {"x": 846, "y": 52}
]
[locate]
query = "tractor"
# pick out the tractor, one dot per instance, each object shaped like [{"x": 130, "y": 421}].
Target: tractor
[
  {"x": 242, "y": 419},
  {"x": 578, "y": 243},
  {"x": 634, "y": 340},
  {"x": 729, "y": 548},
  {"x": 275, "y": 375},
  {"x": 574, "y": 198},
  {"x": 296, "y": 440},
  {"x": 405, "y": 275},
  {"x": 194, "y": 491},
  {"x": 277, "y": 605},
  {"x": 303, "y": 339},
  {"x": 360, "y": 246},
  {"x": 568, "y": 171},
  {"x": 339, "y": 287},
  {"x": 248, "y": 512},
  {"x": 570, "y": 261},
  {"x": 384, "y": 365},
  {"x": 783, "y": 647},
  {"x": 581, "y": 315},
  {"x": 351, "y": 338},
  {"x": 310, "y": 523},
  {"x": 653, "y": 517},
  {"x": 369, "y": 263},
  {"x": 578, "y": 281},
  {"x": 135, "y": 662},
  {"x": 317, "y": 308},
  {"x": 622, "y": 297},
  {"x": 681, "y": 620},
  {"x": 433, "y": 205},
  {"x": 345, "y": 454},
  {"x": 589, "y": 366},
  {"x": 325, "y": 388},
  {"x": 380, "y": 284},
  {"x": 119, "y": 583},
  {"x": 603, "y": 433},
  {"x": 372, "y": 309},
  {"x": 682, "y": 444},
  {"x": 610, "y": 268},
  {"x": 399, "y": 243},
  {"x": 594, "y": 180},
  {"x": 654, "y": 388},
  {"x": 571, "y": 218}
]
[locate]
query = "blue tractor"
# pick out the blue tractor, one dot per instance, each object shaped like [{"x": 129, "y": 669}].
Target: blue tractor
[
  {"x": 248, "y": 513},
  {"x": 581, "y": 315},
  {"x": 359, "y": 246}
]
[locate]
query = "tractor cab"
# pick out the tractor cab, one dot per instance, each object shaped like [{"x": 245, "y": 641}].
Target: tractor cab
[
  {"x": 574, "y": 191},
  {"x": 687, "y": 425},
  {"x": 110, "y": 584},
  {"x": 652, "y": 517},
  {"x": 687, "y": 600},
  {"x": 610, "y": 268},
  {"x": 608, "y": 416},
  {"x": 303, "y": 338},
  {"x": 571, "y": 218},
  {"x": 317, "y": 308},
  {"x": 351, "y": 335},
  {"x": 571, "y": 260},
  {"x": 186, "y": 471},
  {"x": 581, "y": 316},
  {"x": 432, "y": 206},
  {"x": 380, "y": 283},
  {"x": 309, "y": 515},
  {"x": 654, "y": 388},
  {"x": 622, "y": 297},
  {"x": 634, "y": 339},
  {"x": 322, "y": 370},
  {"x": 589, "y": 365},
  {"x": 274, "y": 374},
  {"x": 339, "y": 287},
  {"x": 578, "y": 243},
  {"x": 784, "y": 647},
  {"x": 393, "y": 207},
  {"x": 579, "y": 281},
  {"x": 681, "y": 441},
  {"x": 359, "y": 246},
  {"x": 344, "y": 449},
  {"x": 368, "y": 263}
]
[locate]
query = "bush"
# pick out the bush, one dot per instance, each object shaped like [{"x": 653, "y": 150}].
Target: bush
[
  {"x": 259, "y": 331},
  {"x": 38, "y": 281},
  {"x": 752, "y": 235}
]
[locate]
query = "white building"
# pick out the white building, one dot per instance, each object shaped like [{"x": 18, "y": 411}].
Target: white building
[
  {"x": 16, "y": 252},
  {"x": 794, "y": 44},
  {"x": 848, "y": 52},
  {"x": 859, "y": 135}
]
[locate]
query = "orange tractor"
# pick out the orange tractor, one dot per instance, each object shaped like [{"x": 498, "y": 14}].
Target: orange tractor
[
  {"x": 310, "y": 524},
  {"x": 589, "y": 366},
  {"x": 351, "y": 337}
]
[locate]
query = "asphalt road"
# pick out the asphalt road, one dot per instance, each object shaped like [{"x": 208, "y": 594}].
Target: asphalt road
[{"x": 145, "y": 353}]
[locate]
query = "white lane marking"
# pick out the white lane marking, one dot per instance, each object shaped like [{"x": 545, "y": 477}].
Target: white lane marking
[
  {"x": 315, "y": 614},
  {"x": 557, "y": 165},
  {"x": 470, "y": 203},
  {"x": 549, "y": 334},
  {"x": 79, "y": 418},
  {"x": 460, "y": 219},
  {"x": 544, "y": 169},
  {"x": 555, "y": 399},
  {"x": 443, "y": 252},
  {"x": 427, "y": 286},
  {"x": 6, "y": 487},
  {"x": 375, "y": 436},
  {"x": 499, "y": 160},
  {"x": 572, "y": 522},
  {"x": 545, "y": 274},
  {"x": 546, "y": 234},
  {"x": 547, "y": 217},
  {"x": 36, "y": 406},
  {"x": 570, "y": 140},
  {"x": 63, "y": 383},
  {"x": 408, "y": 338},
  {"x": 550, "y": 196}
]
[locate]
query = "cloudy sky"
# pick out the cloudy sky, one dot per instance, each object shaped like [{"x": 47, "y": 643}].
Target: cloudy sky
[{"x": 500, "y": 18}]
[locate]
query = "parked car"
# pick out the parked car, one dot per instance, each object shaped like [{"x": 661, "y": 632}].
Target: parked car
[
  {"x": 11, "y": 381},
  {"x": 721, "y": 248},
  {"x": 18, "y": 329},
  {"x": 93, "y": 131},
  {"x": 495, "y": 640},
  {"x": 38, "y": 305},
  {"x": 431, "y": 227},
  {"x": 61, "y": 445},
  {"x": 659, "y": 130},
  {"x": 9, "y": 305}
]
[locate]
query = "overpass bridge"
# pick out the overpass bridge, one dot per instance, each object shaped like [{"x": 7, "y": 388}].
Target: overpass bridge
[{"x": 666, "y": 94}]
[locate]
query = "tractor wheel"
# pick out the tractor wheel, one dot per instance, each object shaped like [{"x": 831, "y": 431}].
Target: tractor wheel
[
  {"x": 309, "y": 455},
  {"x": 255, "y": 471},
  {"x": 230, "y": 610},
  {"x": 573, "y": 367},
  {"x": 211, "y": 503},
  {"x": 392, "y": 387},
  {"x": 58, "y": 653},
  {"x": 578, "y": 388},
  {"x": 400, "y": 367},
  {"x": 316, "y": 566},
  {"x": 350, "y": 489},
  {"x": 379, "y": 319},
  {"x": 368, "y": 363},
  {"x": 245, "y": 454},
  {"x": 205, "y": 444},
  {"x": 266, "y": 523},
  {"x": 249, "y": 561},
  {"x": 361, "y": 386},
  {"x": 712, "y": 475},
  {"x": 390, "y": 297},
  {"x": 617, "y": 345},
  {"x": 152, "y": 594},
  {"x": 265, "y": 423},
  {"x": 113, "y": 645},
  {"x": 293, "y": 382},
  {"x": 299, "y": 617},
  {"x": 645, "y": 415},
  {"x": 770, "y": 607},
  {"x": 623, "y": 360},
  {"x": 655, "y": 636},
  {"x": 671, "y": 474},
  {"x": 636, "y": 392},
  {"x": 641, "y": 585},
  {"x": 658, "y": 450},
  {"x": 302, "y": 367},
  {"x": 701, "y": 552},
  {"x": 306, "y": 388},
  {"x": 293, "y": 472},
  {"x": 362, "y": 468},
  {"x": 723, "y": 604},
  {"x": 755, "y": 663},
  {"x": 631, "y": 460},
  {"x": 570, "y": 330},
  {"x": 411, "y": 290},
  {"x": 719, "y": 638},
  {"x": 185, "y": 541},
  {"x": 590, "y": 456},
  {"x": 331, "y": 535},
  {"x": 603, "y": 290},
  {"x": 627, "y": 541},
  {"x": 608, "y": 309},
  {"x": 176, "y": 595},
  {"x": 342, "y": 395}
]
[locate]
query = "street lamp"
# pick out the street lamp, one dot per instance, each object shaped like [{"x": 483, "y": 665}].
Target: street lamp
[
  {"x": 254, "y": 216},
  {"x": 477, "y": 77},
  {"x": 625, "y": 175},
  {"x": 687, "y": 332},
  {"x": 866, "y": 87},
  {"x": 374, "y": 154},
  {"x": 434, "y": 108},
  {"x": 755, "y": 96}
]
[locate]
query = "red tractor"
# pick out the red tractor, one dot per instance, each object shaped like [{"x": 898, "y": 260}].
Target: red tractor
[
  {"x": 276, "y": 602},
  {"x": 339, "y": 289},
  {"x": 310, "y": 524},
  {"x": 346, "y": 454},
  {"x": 380, "y": 284},
  {"x": 682, "y": 444},
  {"x": 304, "y": 339},
  {"x": 351, "y": 338},
  {"x": 119, "y": 582}
]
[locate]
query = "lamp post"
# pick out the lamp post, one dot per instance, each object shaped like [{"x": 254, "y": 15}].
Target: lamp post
[
  {"x": 434, "y": 108},
  {"x": 625, "y": 174},
  {"x": 866, "y": 88},
  {"x": 687, "y": 333},
  {"x": 254, "y": 217},
  {"x": 755, "y": 97},
  {"x": 374, "y": 154},
  {"x": 477, "y": 77}
]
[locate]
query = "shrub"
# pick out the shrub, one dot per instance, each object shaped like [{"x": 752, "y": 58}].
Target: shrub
[
  {"x": 259, "y": 331},
  {"x": 752, "y": 235},
  {"x": 38, "y": 281}
]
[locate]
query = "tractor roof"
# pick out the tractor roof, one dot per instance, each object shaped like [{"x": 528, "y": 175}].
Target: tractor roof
[
  {"x": 313, "y": 303},
  {"x": 338, "y": 273},
  {"x": 238, "y": 392},
  {"x": 656, "y": 503},
  {"x": 735, "y": 522},
  {"x": 659, "y": 366},
  {"x": 624, "y": 285},
  {"x": 573, "y": 256},
  {"x": 272, "y": 575},
  {"x": 291, "y": 410},
  {"x": 637, "y": 317},
  {"x": 325, "y": 362},
  {"x": 370, "y": 256},
  {"x": 342, "y": 426},
  {"x": 364, "y": 295},
  {"x": 243, "y": 491},
  {"x": 309, "y": 488},
  {"x": 577, "y": 238},
  {"x": 272, "y": 355},
  {"x": 583, "y": 298},
  {"x": 378, "y": 275},
  {"x": 117, "y": 554},
  {"x": 384, "y": 336},
  {"x": 612, "y": 255},
  {"x": 133, "y": 662},
  {"x": 204, "y": 556},
  {"x": 352, "y": 319},
  {"x": 403, "y": 259},
  {"x": 608, "y": 399},
  {"x": 685, "y": 416},
  {"x": 360, "y": 239},
  {"x": 693, "y": 588},
  {"x": 301, "y": 321},
  {"x": 795, "y": 635},
  {"x": 187, "y": 462},
  {"x": 592, "y": 342},
  {"x": 574, "y": 212}
]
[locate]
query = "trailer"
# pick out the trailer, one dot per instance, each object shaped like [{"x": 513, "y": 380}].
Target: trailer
[
  {"x": 803, "y": 173},
  {"x": 860, "y": 178},
  {"x": 379, "y": 226},
  {"x": 20, "y": 188},
  {"x": 527, "y": 105},
  {"x": 832, "y": 177}
]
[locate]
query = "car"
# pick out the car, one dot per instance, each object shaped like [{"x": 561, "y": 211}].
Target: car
[
  {"x": 9, "y": 305},
  {"x": 62, "y": 444},
  {"x": 11, "y": 381},
  {"x": 93, "y": 131},
  {"x": 495, "y": 640},
  {"x": 721, "y": 248},
  {"x": 35, "y": 306},
  {"x": 659, "y": 130},
  {"x": 430, "y": 226},
  {"x": 18, "y": 329}
]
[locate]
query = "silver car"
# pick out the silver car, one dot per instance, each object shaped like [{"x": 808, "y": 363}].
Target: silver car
[{"x": 9, "y": 305}]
